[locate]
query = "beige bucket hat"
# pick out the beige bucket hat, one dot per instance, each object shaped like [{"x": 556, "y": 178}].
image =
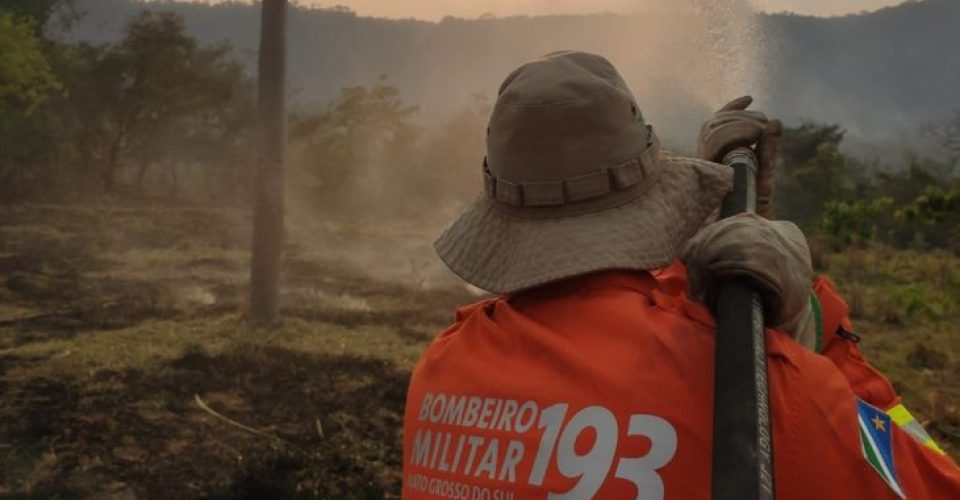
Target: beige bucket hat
[{"x": 575, "y": 182}]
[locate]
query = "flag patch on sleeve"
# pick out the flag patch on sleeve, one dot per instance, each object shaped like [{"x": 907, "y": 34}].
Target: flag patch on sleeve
[{"x": 876, "y": 442}]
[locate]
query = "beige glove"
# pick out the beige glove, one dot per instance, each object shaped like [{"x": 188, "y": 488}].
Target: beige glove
[
  {"x": 771, "y": 254},
  {"x": 732, "y": 127}
]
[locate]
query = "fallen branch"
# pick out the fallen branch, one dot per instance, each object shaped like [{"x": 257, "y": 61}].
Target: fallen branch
[{"x": 203, "y": 406}]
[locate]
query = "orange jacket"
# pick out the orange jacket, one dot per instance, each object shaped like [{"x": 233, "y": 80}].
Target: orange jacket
[
  {"x": 836, "y": 341},
  {"x": 602, "y": 386}
]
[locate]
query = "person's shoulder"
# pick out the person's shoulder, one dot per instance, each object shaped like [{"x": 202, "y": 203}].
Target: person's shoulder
[
  {"x": 815, "y": 420},
  {"x": 810, "y": 369},
  {"x": 812, "y": 384},
  {"x": 478, "y": 307},
  {"x": 466, "y": 314}
]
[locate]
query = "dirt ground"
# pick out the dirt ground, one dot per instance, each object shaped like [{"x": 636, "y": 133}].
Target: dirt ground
[
  {"x": 115, "y": 320},
  {"x": 120, "y": 327}
]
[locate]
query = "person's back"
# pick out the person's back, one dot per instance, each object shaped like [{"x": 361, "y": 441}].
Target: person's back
[
  {"x": 592, "y": 375},
  {"x": 601, "y": 386}
]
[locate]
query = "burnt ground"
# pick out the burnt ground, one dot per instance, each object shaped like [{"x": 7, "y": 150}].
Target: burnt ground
[{"x": 113, "y": 321}]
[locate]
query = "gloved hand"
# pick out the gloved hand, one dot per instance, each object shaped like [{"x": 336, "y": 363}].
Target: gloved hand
[
  {"x": 771, "y": 254},
  {"x": 732, "y": 127}
]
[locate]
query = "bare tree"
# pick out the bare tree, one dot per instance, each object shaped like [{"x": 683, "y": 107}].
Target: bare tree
[{"x": 271, "y": 144}]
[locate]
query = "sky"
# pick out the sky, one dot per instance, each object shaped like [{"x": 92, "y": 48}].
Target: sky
[{"x": 437, "y": 9}]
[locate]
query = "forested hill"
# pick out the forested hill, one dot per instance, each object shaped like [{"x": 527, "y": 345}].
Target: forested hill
[
  {"x": 894, "y": 66},
  {"x": 877, "y": 74}
]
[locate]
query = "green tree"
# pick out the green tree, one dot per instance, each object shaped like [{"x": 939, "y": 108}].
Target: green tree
[
  {"x": 26, "y": 79},
  {"x": 905, "y": 186},
  {"x": 934, "y": 205},
  {"x": 182, "y": 98},
  {"x": 813, "y": 172},
  {"x": 934, "y": 217},
  {"x": 26, "y": 82},
  {"x": 356, "y": 149},
  {"x": 174, "y": 97},
  {"x": 449, "y": 171},
  {"x": 156, "y": 98},
  {"x": 802, "y": 144},
  {"x": 855, "y": 221}
]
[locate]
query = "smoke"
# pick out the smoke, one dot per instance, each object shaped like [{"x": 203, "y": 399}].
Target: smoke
[
  {"x": 685, "y": 58},
  {"x": 682, "y": 59}
]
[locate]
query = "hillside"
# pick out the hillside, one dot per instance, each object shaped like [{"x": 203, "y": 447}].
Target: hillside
[
  {"x": 878, "y": 74},
  {"x": 884, "y": 71}
]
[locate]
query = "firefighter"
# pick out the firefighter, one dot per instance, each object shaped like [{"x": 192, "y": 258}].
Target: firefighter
[{"x": 590, "y": 375}]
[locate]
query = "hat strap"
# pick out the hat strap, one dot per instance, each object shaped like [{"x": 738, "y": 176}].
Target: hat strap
[{"x": 582, "y": 187}]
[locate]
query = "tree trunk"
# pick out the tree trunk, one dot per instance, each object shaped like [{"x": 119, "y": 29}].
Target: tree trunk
[{"x": 271, "y": 142}]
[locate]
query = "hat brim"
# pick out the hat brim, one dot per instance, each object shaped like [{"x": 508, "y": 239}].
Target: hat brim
[{"x": 504, "y": 253}]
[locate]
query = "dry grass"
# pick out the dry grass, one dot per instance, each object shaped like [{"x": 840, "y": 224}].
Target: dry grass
[
  {"x": 907, "y": 308},
  {"x": 114, "y": 320}
]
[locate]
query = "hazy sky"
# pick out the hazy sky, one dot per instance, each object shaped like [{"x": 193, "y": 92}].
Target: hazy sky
[{"x": 436, "y": 9}]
